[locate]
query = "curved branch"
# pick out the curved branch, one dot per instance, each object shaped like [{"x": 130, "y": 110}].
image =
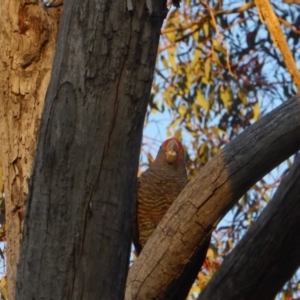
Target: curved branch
[
  {"x": 268, "y": 255},
  {"x": 209, "y": 196}
]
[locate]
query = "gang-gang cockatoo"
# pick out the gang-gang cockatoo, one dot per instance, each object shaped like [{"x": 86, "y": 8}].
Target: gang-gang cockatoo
[{"x": 157, "y": 189}]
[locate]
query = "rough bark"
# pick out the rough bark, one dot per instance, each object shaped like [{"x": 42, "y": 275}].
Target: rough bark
[
  {"x": 208, "y": 197},
  {"x": 180, "y": 288},
  {"x": 268, "y": 255},
  {"x": 76, "y": 240},
  {"x": 28, "y": 34}
]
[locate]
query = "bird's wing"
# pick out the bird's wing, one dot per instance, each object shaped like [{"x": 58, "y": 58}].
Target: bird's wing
[{"x": 135, "y": 232}]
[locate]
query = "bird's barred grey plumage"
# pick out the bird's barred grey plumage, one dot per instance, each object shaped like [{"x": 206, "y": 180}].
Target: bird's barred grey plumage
[{"x": 157, "y": 189}]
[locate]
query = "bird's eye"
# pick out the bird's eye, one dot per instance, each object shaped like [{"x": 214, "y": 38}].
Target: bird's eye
[{"x": 160, "y": 147}]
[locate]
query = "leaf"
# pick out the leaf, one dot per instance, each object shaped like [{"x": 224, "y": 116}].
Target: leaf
[
  {"x": 171, "y": 36},
  {"x": 225, "y": 96},
  {"x": 178, "y": 133},
  {"x": 3, "y": 283},
  {"x": 256, "y": 111},
  {"x": 218, "y": 47},
  {"x": 210, "y": 255},
  {"x": 242, "y": 97},
  {"x": 206, "y": 29},
  {"x": 207, "y": 69},
  {"x": 172, "y": 58},
  {"x": 165, "y": 63},
  {"x": 182, "y": 110},
  {"x": 194, "y": 289},
  {"x": 202, "y": 102}
]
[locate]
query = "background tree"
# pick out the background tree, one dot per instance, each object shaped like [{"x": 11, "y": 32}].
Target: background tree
[{"x": 28, "y": 38}]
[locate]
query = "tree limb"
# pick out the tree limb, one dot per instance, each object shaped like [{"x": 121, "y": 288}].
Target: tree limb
[
  {"x": 268, "y": 255},
  {"x": 209, "y": 196}
]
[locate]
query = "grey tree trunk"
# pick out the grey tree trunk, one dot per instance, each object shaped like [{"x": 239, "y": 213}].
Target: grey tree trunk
[
  {"x": 268, "y": 255},
  {"x": 28, "y": 34},
  {"x": 76, "y": 240},
  {"x": 208, "y": 197}
]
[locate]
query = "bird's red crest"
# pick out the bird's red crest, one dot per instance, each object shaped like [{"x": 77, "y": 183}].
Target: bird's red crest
[{"x": 166, "y": 142}]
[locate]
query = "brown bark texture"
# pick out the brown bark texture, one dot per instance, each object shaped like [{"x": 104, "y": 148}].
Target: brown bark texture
[
  {"x": 209, "y": 196},
  {"x": 76, "y": 240},
  {"x": 268, "y": 255},
  {"x": 28, "y": 34}
]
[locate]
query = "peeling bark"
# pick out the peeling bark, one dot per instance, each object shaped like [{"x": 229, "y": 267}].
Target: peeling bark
[
  {"x": 209, "y": 196},
  {"x": 28, "y": 37}
]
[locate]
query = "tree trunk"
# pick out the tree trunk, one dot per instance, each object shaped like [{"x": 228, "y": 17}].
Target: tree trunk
[
  {"x": 76, "y": 240},
  {"x": 268, "y": 255},
  {"x": 209, "y": 196},
  {"x": 27, "y": 41}
]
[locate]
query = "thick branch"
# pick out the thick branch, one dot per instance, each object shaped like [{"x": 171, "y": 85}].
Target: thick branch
[
  {"x": 268, "y": 255},
  {"x": 209, "y": 196}
]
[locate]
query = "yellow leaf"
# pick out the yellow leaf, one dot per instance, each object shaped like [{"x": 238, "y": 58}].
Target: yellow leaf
[
  {"x": 256, "y": 111},
  {"x": 197, "y": 55},
  {"x": 242, "y": 97},
  {"x": 3, "y": 283},
  {"x": 207, "y": 69},
  {"x": 182, "y": 110},
  {"x": 225, "y": 96},
  {"x": 178, "y": 134},
  {"x": 210, "y": 255},
  {"x": 171, "y": 36},
  {"x": 205, "y": 80},
  {"x": 172, "y": 58},
  {"x": 164, "y": 61},
  {"x": 195, "y": 31},
  {"x": 202, "y": 102},
  {"x": 194, "y": 289},
  {"x": 206, "y": 29},
  {"x": 218, "y": 47},
  {"x": 203, "y": 148},
  {"x": 216, "y": 59}
]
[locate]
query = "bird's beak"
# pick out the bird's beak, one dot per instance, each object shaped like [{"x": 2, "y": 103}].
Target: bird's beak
[{"x": 171, "y": 153}]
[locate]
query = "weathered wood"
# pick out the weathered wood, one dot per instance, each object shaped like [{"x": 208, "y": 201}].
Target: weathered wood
[
  {"x": 208, "y": 197},
  {"x": 76, "y": 240},
  {"x": 28, "y": 34},
  {"x": 268, "y": 255}
]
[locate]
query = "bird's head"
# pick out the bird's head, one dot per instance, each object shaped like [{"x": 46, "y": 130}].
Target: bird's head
[{"x": 171, "y": 152}]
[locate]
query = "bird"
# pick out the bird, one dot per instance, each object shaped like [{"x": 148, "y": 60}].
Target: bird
[{"x": 157, "y": 188}]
